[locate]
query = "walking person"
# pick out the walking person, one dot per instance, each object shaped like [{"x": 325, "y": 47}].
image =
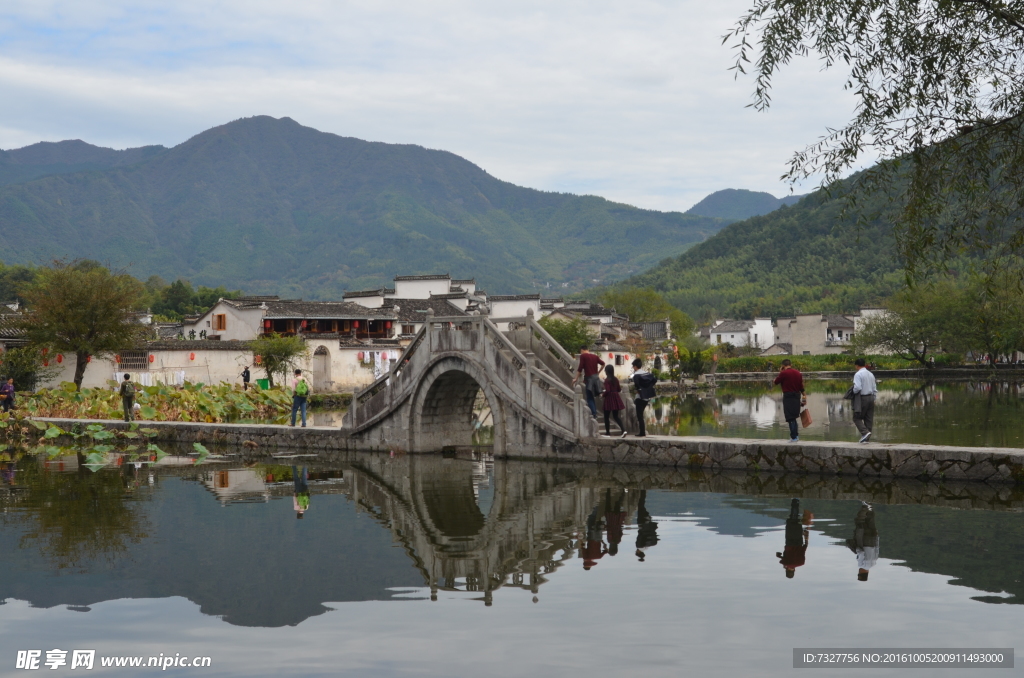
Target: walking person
[
  {"x": 590, "y": 366},
  {"x": 300, "y": 393},
  {"x": 793, "y": 396},
  {"x": 644, "y": 382},
  {"x": 127, "y": 392},
  {"x": 613, "y": 404},
  {"x": 245, "y": 378},
  {"x": 7, "y": 394},
  {"x": 864, "y": 390}
]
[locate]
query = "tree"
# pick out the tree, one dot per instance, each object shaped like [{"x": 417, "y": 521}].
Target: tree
[
  {"x": 992, "y": 317},
  {"x": 573, "y": 334},
  {"x": 918, "y": 322},
  {"x": 647, "y": 305},
  {"x": 940, "y": 91},
  {"x": 82, "y": 308},
  {"x": 25, "y": 365},
  {"x": 276, "y": 354}
]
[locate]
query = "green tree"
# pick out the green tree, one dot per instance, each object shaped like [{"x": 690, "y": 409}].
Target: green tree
[
  {"x": 573, "y": 334},
  {"x": 991, "y": 316},
  {"x": 915, "y": 325},
  {"x": 940, "y": 97},
  {"x": 25, "y": 365},
  {"x": 646, "y": 305},
  {"x": 82, "y": 308},
  {"x": 277, "y": 354},
  {"x": 12, "y": 279}
]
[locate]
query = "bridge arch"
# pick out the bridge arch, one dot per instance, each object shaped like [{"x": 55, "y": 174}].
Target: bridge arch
[{"x": 442, "y": 406}]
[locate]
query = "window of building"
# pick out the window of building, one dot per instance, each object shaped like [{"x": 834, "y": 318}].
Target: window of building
[
  {"x": 807, "y": 353},
  {"x": 719, "y": 338},
  {"x": 408, "y": 329},
  {"x": 755, "y": 339},
  {"x": 220, "y": 321},
  {"x": 133, "y": 361},
  {"x": 618, "y": 359}
]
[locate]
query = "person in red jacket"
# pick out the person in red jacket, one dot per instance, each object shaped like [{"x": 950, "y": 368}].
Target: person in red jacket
[
  {"x": 797, "y": 539},
  {"x": 793, "y": 397},
  {"x": 590, "y": 367},
  {"x": 612, "y": 402}
]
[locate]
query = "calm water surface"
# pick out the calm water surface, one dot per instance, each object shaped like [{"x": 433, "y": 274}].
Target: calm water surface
[
  {"x": 951, "y": 413},
  {"x": 459, "y": 567}
]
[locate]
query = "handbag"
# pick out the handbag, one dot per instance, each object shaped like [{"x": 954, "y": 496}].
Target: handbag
[
  {"x": 805, "y": 418},
  {"x": 849, "y": 394}
]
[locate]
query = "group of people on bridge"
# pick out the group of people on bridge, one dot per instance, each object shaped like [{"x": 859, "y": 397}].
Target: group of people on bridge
[{"x": 610, "y": 391}]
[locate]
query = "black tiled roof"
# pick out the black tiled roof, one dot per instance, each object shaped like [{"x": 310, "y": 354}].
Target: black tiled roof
[
  {"x": 436, "y": 276},
  {"x": 515, "y": 297},
  {"x": 415, "y": 310},
  {"x": 363, "y": 293},
  {"x": 328, "y": 310},
  {"x": 839, "y": 321}
]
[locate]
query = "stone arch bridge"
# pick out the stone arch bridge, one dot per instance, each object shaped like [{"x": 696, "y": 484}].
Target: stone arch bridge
[{"x": 426, "y": 401}]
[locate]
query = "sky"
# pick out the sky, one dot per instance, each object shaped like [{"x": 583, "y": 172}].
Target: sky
[{"x": 632, "y": 101}]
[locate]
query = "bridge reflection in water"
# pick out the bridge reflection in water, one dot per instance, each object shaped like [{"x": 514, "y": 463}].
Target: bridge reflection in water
[{"x": 78, "y": 538}]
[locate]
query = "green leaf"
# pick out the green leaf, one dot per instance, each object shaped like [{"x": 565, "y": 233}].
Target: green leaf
[
  {"x": 53, "y": 432},
  {"x": 160, "y": 454},
  {"x": 148, "y": 412},
  {"x": 103, "y": 435},
  {"x": 41, "y": 425}
]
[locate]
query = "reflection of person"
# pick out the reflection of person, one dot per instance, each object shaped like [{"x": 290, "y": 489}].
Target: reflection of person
[
  {"x": 127, "y": 392},
  {"x": 864, "y": 389},
  {"x": 614, "y": 518},
  {"x": 594, "y": 549},
  {"x": 589, "y": 367},
  {"x": 613, "y": 404},
  {"x": 797, "y": 539},
  {"x": 793, "y": 397},
  {"x": 7, "y": 394},
  {"x": 646, "y": 528},
  {"x": 865, "y": 541},
  {"x": 300, "y": 498},
  {"x": 246, "y": 375}
]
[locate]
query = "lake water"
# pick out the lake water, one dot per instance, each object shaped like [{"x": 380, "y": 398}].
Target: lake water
[
  {"x": 950, "y": 413},
  {"x": 423, "y": 566}
]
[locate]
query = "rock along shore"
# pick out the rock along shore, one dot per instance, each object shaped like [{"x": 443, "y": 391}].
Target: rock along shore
[{"x": 881, "y": 460}]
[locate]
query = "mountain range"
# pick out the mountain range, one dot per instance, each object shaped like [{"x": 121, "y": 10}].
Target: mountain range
[{"x": 270, "y": 206}]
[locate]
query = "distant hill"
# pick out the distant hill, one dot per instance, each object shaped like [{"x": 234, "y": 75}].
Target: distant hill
[
  {"x": 735, "y": 204},
  {"x": 65, "y": 157},
  {"x": 268, "y": 205},
  {"x": 802, "y": 259}
]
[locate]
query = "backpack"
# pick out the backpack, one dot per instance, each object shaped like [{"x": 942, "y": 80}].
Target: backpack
[
  {"x": 302, "y": 388},
  {"x": 127, "y": 389}
]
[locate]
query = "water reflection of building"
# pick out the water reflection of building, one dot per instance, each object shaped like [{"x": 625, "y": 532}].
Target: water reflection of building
[{"x": 236, "y": 485}]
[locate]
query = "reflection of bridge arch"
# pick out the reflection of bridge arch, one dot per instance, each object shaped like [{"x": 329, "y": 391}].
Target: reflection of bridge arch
[
  {"x": 429, "y": 505},
  {"x": 442, "y": 405}
]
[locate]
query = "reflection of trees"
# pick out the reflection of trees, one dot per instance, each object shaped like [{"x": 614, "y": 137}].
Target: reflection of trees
[{"x": 77, "y": 517}]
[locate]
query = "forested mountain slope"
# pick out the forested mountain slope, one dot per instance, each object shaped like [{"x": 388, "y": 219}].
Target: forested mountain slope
[
  {"x": 65, "y": 157},
  {"x": 804, "y": 258},
  {"x": 267, "y": 205},
  {"x": 734, "y": 204}
]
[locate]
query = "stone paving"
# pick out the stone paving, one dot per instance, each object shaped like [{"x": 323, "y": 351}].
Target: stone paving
[{"x": 1000, "y": 465}]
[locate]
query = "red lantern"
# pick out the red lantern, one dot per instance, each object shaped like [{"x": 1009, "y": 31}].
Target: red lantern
[
  {"x": 267, "y": 325},
  {"x": 387, "y": 324},
  {"x": 626, "y": 356},
  {"x": 46, "y": 363},
  {"x": 384, "y": 356},
  {"x": 88, "y": 358},
  {"x": 258, "y": 359},
  {"x": 45, "y": 351},
  {"x": 60, "y": 358},
  {"x": 152, "y": 358},
  {"x": 191, "y": 356},
  {"x": 610, "y": 356},
  {"x": 355, "y": 324},
  {"x": 303, "y": 324},
  {"x": 361, "y": 356},
  {"x": 117, "y": 359}
]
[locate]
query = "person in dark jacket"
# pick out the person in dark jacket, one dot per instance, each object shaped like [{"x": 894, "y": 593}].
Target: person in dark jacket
[
  {"x": 646, "y": 528},
  {"x": 246, "y": 376},
  {"x": 127, "y": 392},
  {"x": 7, "y": 394},
  {"x": 644, "y": 382},
  {"x": 793, "y": 397},
  {"x": 612, "y": 401}
]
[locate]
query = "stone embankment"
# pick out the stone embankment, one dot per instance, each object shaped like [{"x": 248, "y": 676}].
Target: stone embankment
[
  {"x": 935, "y": 462},
  {"x": 1012, "y": 372}
]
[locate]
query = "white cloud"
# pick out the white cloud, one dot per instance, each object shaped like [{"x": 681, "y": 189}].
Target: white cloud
[{"x": 632, "y": 101}]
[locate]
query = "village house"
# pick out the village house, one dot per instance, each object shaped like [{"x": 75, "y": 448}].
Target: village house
[
  {"x": 757, "y": 333},
  {"x": 813, "y": 334}
]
